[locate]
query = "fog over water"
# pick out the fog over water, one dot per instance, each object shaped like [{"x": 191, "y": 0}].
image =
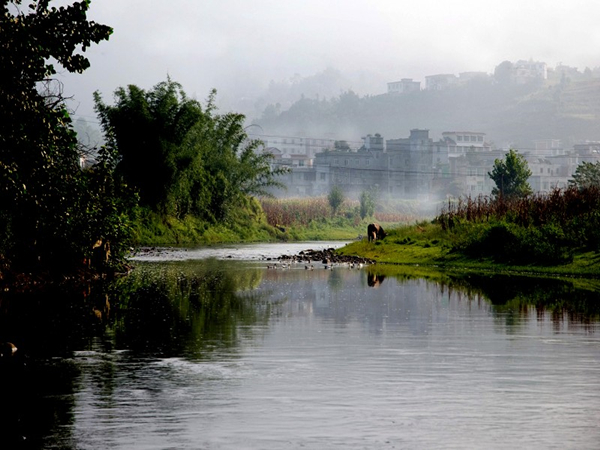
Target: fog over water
[{"x": 239, "y": 47}]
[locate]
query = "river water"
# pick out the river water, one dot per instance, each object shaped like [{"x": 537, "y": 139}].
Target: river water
[{"x": 226, "y": 353}]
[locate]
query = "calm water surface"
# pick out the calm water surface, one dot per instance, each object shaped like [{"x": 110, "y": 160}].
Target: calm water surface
[{"x": 232, "y": 355}]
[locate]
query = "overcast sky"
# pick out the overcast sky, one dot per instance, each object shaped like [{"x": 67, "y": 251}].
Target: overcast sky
[{"x": 238, "y": 46}]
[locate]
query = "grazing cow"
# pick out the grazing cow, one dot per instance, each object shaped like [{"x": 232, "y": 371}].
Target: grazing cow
[{"x": 374, "y": 232}]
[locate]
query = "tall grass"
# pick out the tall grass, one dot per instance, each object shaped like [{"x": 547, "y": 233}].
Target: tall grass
[
  {"x": 303, "y": 211},
  {"x": 560, "y": 207},
  {"x": 298, "y": 211},
  {"x": 541, "y": 228}
]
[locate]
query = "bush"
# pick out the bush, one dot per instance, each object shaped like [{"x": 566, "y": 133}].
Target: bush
[{"x": 511, "y": 244}]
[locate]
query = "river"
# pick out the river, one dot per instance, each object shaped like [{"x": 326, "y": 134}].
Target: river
[{"x": 212, "y": 349}]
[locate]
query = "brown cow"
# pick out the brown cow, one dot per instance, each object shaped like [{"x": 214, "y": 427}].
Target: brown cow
[{"x": 375, "y": 231}]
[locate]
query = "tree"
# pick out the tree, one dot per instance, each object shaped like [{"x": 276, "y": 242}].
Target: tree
[
  {"x": 367, "y": 203},
  {"x": 182, "y": 157},
  {"x": 43, "y": 191},
  {"x": 148, "y": 129},
  {"x": 503, "y": 73},
  {"x": 341, "y": 145},
  {"x": 510, "y": 175},
  {"x": 586, "y": 175},
  {"x": 335, "y": 198}
]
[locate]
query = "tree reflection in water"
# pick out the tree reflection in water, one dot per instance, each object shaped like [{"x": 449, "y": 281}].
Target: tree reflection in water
[
  {"x": 571, "y": 299},
  {"x": 80, "y": 344},
  {"x": 184, "y": 309}
]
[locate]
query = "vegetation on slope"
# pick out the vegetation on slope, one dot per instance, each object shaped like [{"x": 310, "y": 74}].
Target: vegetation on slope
[{"x": 568, "y": 110}]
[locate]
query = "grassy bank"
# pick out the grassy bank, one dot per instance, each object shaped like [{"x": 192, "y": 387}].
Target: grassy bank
[
  {"x": 306, "y": 219},
  {"x": 555, "y": 233},
  {"x": 247, "y": 225},
  {"x": 151, "y": 229},
  {"x": 429, "y": 245}
]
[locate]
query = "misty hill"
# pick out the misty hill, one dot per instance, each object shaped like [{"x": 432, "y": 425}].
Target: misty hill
[{"x": 507, "y": 113}]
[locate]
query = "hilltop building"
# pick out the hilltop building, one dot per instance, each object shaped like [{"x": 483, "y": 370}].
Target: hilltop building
[
  {"x": 523, "y": 72},
  {"x": 440, "y": 82},
  {"x": 405, "y": 85}
]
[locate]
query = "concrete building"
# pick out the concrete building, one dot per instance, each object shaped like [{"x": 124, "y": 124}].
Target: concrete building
[
  {"x": 440, "y": 82},
  {"x": 405, "y": 85},
  {"x": 523, "y": 72},
  {"x": 418, "y": 167},
  {"x": 465, "y": 142},
  {"x": 547, "y": 174}
]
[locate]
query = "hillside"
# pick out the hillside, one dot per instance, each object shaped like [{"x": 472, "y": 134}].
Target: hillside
[{"x": 517, "y": 115}]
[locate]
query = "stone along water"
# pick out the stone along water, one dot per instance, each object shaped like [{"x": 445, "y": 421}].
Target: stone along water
[{"x": 232, "y": 355}]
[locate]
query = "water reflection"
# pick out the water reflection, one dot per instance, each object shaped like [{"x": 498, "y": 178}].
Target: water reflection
[
  {"x": 188, "y": 309},
  {"x": 226, "y": 354},
  {"x": 559, "y": 299}
]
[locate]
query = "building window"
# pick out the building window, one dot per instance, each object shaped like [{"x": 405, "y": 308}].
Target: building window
[
  {"x": 480, "y": 138},
  {"x": 368, "y": 162},
  {"x": 473, "y": 138},
  {"x": 336, "y": 161},
  {"x": 459, "y": 138},
  {"x": 301, "y": 163},
  {"x": 346, "y": 162},
  {"x": 323, "y": 176},
  {"x": 541, "y": 170}
]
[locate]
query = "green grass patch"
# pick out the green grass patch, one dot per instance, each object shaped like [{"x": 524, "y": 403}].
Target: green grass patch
[{"x": 427, "y": 244}]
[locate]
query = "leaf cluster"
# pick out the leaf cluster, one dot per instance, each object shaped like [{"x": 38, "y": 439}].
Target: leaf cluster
[
  {"x": 586, "y": 175},
  {"x": 181, "y": 157},
  {"x": 510, "y": 175},
  {"x": 53, "y": 212}
]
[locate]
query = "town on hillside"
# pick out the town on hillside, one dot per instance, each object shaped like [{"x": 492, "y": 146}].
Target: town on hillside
[{"x": 421, "y": 166}]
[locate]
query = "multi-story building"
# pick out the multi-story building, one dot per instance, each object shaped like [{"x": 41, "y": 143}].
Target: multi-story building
[
  {"x": 465, "y": 142},
  {"x": 523, "y": 72},
  {"x": 547, "y": 174},
  {"x": 418, "y": 167},
  {"x": 405, "y": 85},
  {"x": 440, "y": 81}
]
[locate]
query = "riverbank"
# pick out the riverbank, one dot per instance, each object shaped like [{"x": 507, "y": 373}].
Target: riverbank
[
  {"x": 151, "y": 229},
  {"x": 430, "y": 246}
]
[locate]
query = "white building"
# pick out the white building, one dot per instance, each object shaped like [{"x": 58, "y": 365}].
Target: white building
[
  {"x": 440, "y": 82},
  {"x": 464, "y": 142},
  {"x": 405, "y": 85},
  {"x": 523, "y": 72}
]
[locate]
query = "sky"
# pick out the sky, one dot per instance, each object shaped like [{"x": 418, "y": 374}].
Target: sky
[{"x": 239, "y": 46}]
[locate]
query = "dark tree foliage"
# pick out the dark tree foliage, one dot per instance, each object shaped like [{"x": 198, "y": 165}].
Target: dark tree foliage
[
  {"x": 45, "y": 197},
  {"x": 510, "y": 175},
  {"x": 182, "y": 158},
  {"x": 148, "y": 129},
  {"x": 586, "y": 175}
]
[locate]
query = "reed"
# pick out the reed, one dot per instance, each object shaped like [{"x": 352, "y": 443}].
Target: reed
[
  {"x": 538, "y": 228},
  {"x": 295, "y": 211},
  {"x": 560, "y": 207}
]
